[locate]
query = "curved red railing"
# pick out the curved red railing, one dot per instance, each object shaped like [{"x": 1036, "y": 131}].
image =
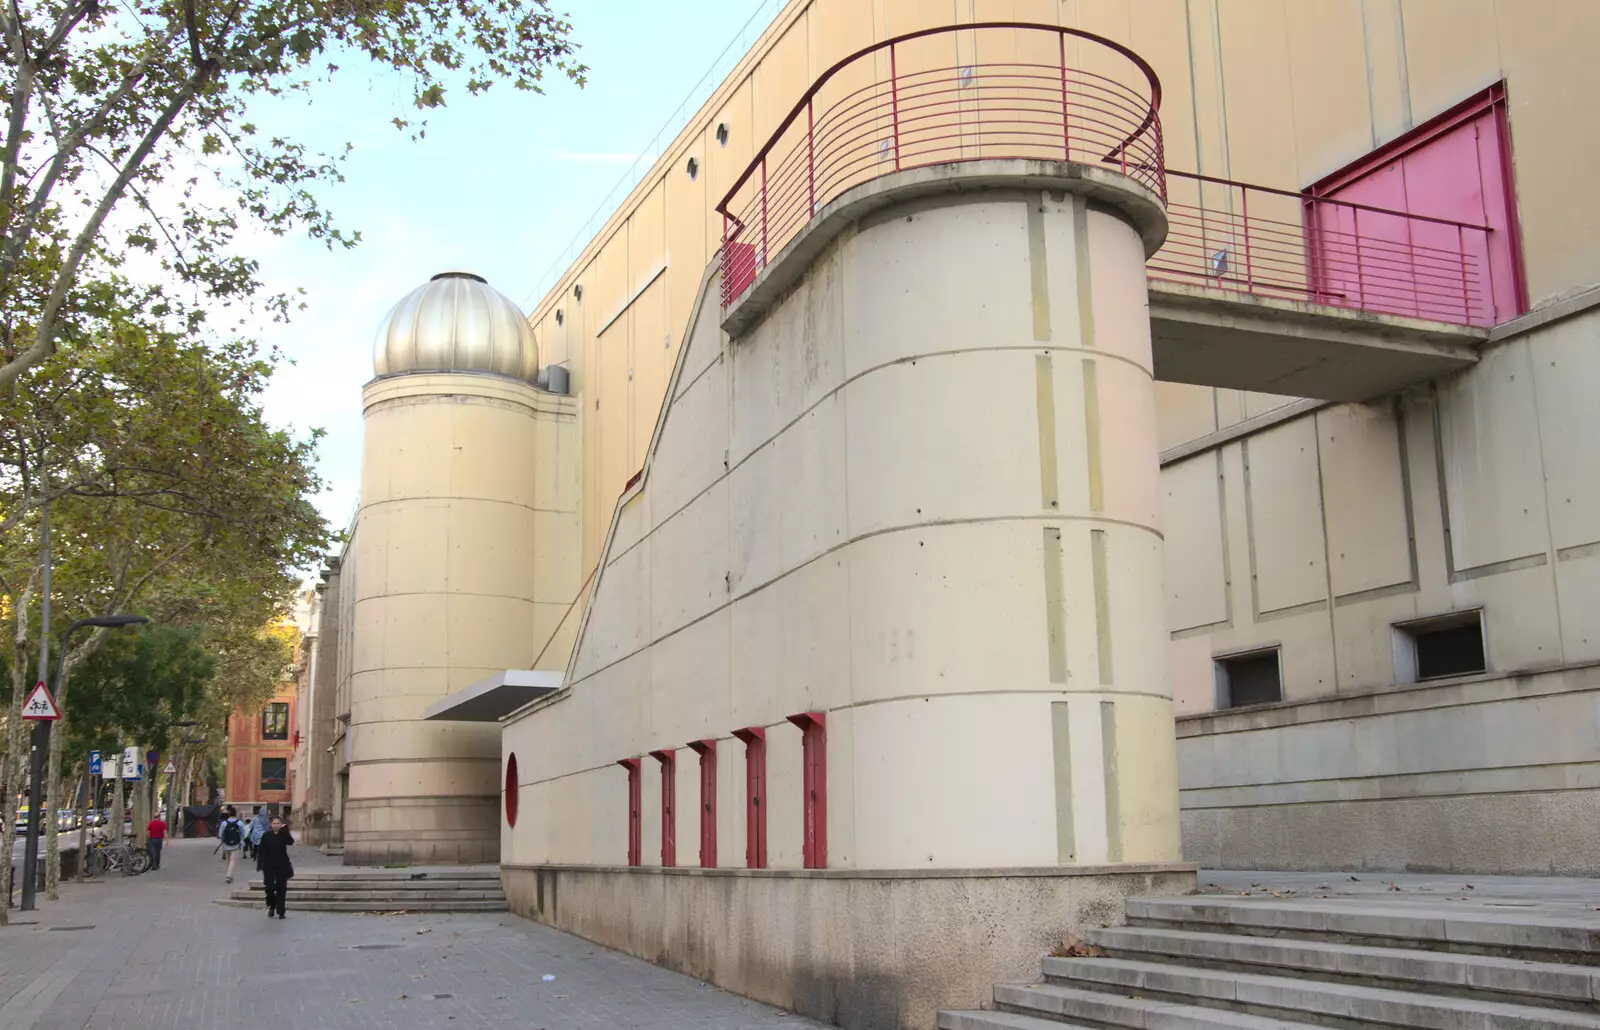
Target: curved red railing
[{"x": 898, "y": 105}]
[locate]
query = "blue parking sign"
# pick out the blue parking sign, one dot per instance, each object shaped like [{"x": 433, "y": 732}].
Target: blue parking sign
[{"x": 94, "y": 763}]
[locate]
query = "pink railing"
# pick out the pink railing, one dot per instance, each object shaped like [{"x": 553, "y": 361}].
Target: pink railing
[
  {"x": 903, "y": 104},
  {"x": 1274, "y": 243},
  {"x": 1019, "y": 90}
]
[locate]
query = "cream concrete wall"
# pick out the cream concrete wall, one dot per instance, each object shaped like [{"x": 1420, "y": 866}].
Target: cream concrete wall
[
  {"x": 922, "y": 500},
  {"x": 1276, "y": 92},
  {"x": 461, "y": 565},
  {"x": 1317, "y": 535},
  {"x": 859, "y": 950}
]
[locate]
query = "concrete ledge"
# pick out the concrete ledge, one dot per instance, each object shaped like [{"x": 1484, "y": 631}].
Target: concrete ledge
[
  {"x": 1212, "y": 337},
  {"x": 1141, "y": 207},
  {"x": 871, "y": 874},
  {"x": 868, "y": 950}
]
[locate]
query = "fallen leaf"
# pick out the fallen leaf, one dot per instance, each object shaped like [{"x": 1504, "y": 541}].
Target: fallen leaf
[{"x": 1072, "y": 947}]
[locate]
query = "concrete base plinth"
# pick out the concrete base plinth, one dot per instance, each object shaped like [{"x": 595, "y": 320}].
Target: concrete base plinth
[
  {"x": 865, "y": 950},
  {"x": 422, "y": 831}
]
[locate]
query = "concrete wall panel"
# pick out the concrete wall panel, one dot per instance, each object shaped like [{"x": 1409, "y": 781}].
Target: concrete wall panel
[
  {"x": 1191, "y": 521},
  {"x": 1363, "y": 490},
  {"x": 1287, "y": 557}
]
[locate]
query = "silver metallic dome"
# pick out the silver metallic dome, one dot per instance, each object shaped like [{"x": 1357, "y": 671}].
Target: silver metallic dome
[{"x": 456, "y": 322}]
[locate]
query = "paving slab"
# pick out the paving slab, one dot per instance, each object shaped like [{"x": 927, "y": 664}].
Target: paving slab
[{"x": 154, "y": 952}]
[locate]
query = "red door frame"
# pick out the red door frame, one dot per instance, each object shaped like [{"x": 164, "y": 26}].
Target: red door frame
[
  {"x": 707, "y": 750},
  {"x": 669, "y": 804},
  {"x": 755, "y": 793},
  {"x": 1492, "y": 100},
  {"x": 635, "y": 794},
  {"x": 814, "y": 762}
]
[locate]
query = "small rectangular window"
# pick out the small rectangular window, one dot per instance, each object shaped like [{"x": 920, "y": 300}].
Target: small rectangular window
[
  {"x": 1440, "y": 646},
  {"x": 275, "y": 721},
  {"x": 274, "y": 774},
  {"x": 1249, "y": 678}
]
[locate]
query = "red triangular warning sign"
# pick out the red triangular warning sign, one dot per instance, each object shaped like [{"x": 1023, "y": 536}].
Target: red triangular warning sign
[{"x": 40, "y": 705}]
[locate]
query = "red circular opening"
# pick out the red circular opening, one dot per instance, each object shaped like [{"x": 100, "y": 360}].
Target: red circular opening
[{"x": 511, "y": 790}]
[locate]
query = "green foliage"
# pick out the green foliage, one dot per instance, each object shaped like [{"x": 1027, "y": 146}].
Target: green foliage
[
  {"x": 149, "y": 101},
  {"x": 135, "y": 686}
]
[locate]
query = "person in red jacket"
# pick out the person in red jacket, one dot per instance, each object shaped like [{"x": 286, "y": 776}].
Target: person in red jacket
[{"x": 156, "y": 830}]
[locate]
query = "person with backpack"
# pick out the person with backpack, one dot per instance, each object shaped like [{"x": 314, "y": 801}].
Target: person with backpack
[{"x": 230, "y": 838}]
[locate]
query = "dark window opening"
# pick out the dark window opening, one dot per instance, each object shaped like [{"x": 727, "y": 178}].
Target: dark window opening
[
  {"x": 274, "y": 774},
  {"x": 275, "y": 721},
  {"x": 1254, "y": 678},
  {"x": 1449, "y": 645}
]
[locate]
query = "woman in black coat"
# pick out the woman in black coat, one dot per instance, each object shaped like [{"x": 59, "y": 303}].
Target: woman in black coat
[{"x": 272, "y": 858}]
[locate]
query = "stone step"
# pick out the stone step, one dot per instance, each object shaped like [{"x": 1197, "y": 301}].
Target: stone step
[
  {"x": 1488, "y": 977},
  {"x": 313, "y": 884},
  {"x": 1057, "y": 1004},
  {"x": 401, "y": 875},
  {"x": 400, "y": 898},
  {"x": 1319, "y": 1001},
  {"x": 1432, "y": 928},
  {"x": 318, "y": 905},
  {"x": 991, "y": 1020}
]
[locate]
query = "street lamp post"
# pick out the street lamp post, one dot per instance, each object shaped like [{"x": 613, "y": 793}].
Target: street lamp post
[{"x": 41, "y": 747}]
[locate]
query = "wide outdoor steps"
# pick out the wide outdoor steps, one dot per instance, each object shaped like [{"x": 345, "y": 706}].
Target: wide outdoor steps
[
  {"x": 385, "y": 891},
  {"x": 1208, "y": 962}
]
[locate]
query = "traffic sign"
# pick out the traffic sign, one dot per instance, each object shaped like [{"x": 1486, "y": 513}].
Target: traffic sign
[
  {"x": 40, "y": 705},
  {"x": 171, "y": 768},
  {"x": 94, "y": 763}
]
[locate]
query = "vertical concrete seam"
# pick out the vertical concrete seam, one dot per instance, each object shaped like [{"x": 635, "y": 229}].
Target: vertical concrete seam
[
  {"x": 1102, "y": 604},
  {"x": 1091, "y": 434},
  {"x": 1222, "y": 521},
  {"x": 1404, "y": 68},
  {"x": 1549, "y": 523},
  {"x": 1038, "y": 269},
  {"x": 1055, "y": 610},
  {"x": 1222, "y": 93},
  {"x": 1327, "y": 550},
  {"x": 1080, "y": 266},
  {"x": 1061, "y": 739},
  {"x": 1366, "y": 57},
  {"x": 1108, "y": 761},
  {"x": 1045, "y": 402}
]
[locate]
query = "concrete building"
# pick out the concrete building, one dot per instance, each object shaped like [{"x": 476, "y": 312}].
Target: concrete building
[
  {"x": 260, "y": 751},
  {"x": 460, "y": 563},
  {"x": 1018, "y": 449}
]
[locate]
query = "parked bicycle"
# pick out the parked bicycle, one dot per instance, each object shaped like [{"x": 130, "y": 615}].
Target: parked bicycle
[{"x": 116, "y": 856}]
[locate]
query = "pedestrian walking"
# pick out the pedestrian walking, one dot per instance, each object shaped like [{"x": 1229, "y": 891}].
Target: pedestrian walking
[
  {"x": 272, "y": 858},
  {"x": 258, "y": 827},
  {"x": 230, "y": 839},
  {"x": 156, "y": 832}
]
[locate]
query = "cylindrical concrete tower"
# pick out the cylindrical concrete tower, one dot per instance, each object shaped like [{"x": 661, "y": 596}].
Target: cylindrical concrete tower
[{"x": 443, "y": 564}]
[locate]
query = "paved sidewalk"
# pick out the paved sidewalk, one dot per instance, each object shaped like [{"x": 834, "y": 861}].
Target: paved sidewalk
[{"x": 154, "y": 953}]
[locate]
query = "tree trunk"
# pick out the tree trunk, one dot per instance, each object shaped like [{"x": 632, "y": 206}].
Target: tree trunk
[
  {"x": 85, "y": 801},
  {"x": 11, "y": 761}
]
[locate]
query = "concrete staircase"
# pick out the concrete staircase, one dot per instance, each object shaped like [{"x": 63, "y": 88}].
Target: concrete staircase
[
  {"x": 1207, "y": 962},
  {"x": 385, "y": 890}
]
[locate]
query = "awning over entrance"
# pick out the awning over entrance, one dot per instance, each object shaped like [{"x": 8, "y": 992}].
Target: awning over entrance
[{"x": 499, "y": 695}]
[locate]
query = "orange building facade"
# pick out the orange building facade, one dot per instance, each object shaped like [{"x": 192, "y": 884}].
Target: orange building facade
[{"x": 260, "y": 754}]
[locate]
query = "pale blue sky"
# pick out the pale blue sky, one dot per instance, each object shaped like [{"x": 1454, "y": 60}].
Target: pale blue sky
[{"x": 499, "y": 187}]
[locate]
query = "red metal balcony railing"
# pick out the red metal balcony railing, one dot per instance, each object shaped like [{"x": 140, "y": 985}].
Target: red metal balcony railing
[
  {"x": 1021, "y": 90},
  {"x": 903, "y": 104},
  {"x": 1274, "y": 243}
]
